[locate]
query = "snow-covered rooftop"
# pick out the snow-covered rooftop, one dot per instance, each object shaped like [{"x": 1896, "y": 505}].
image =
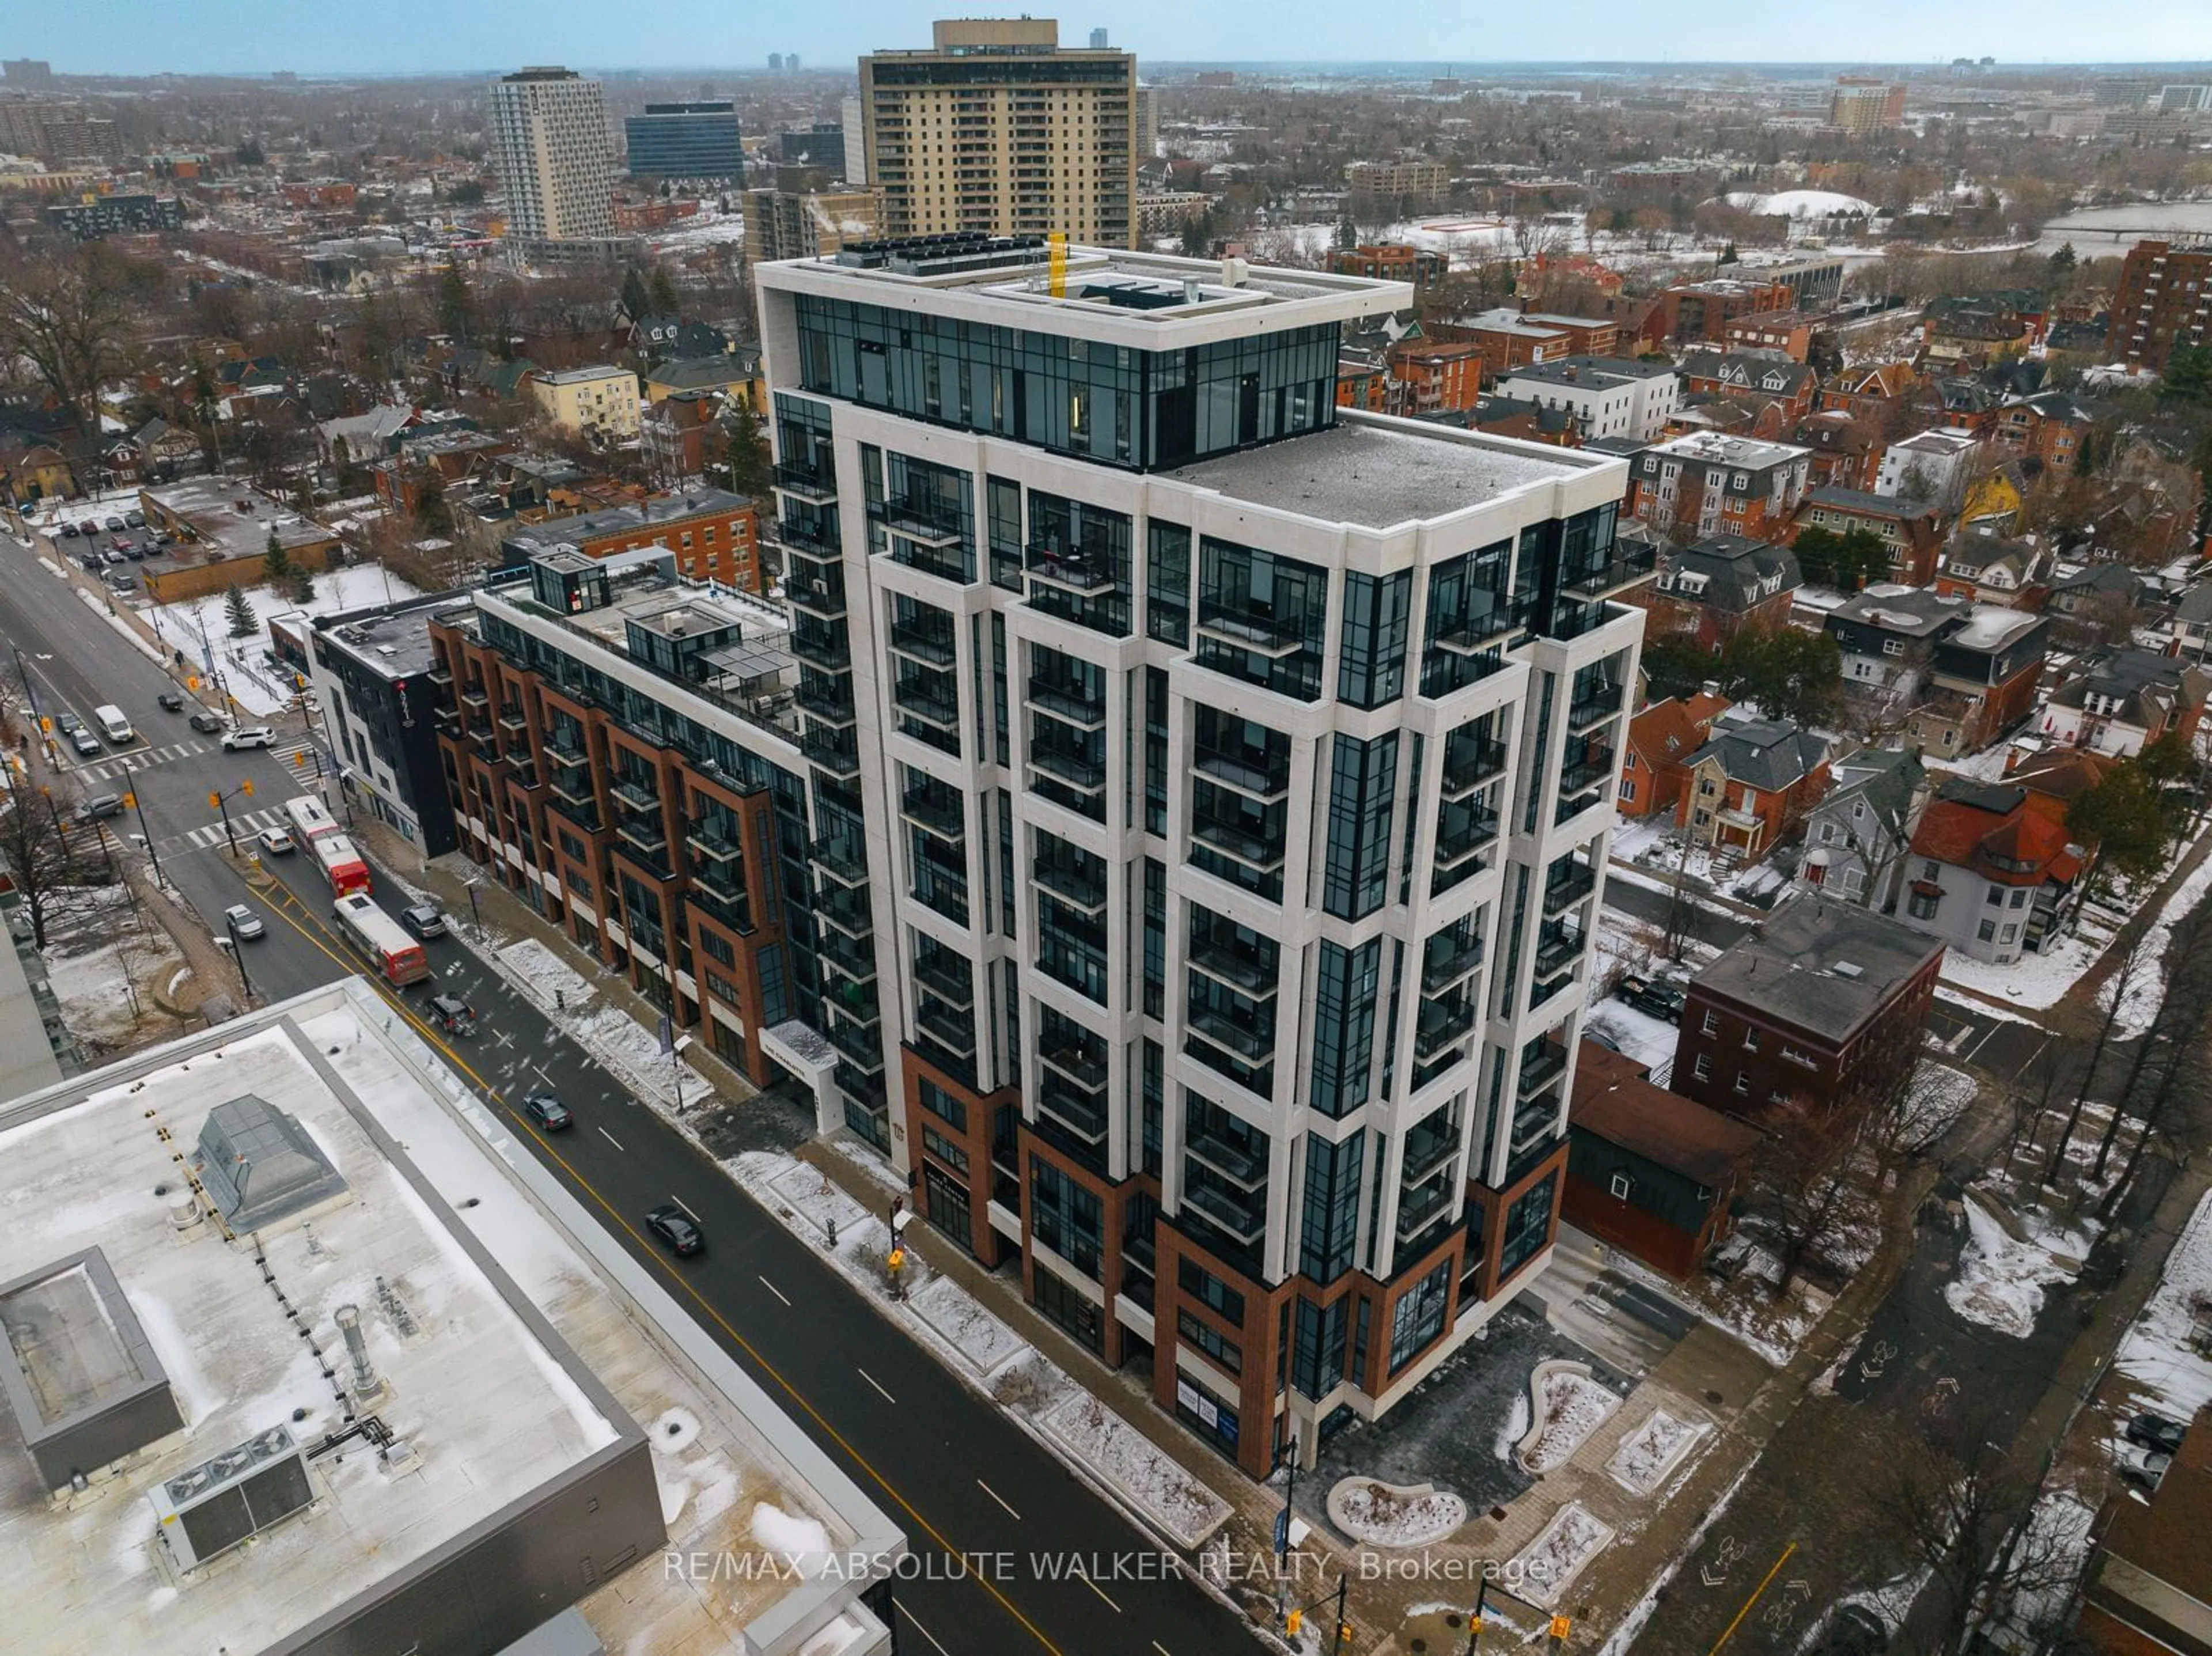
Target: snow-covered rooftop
[{"x": 521, "y": 1349}]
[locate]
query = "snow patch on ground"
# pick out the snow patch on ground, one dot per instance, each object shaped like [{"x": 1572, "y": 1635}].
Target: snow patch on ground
[
  {"x": 1649, "y": 1455},
  {"x": 974, "y": 1332},
  {"x": 2167, "y": 1352},
  {"x": 2001, "y": 1280},
  {"x": 1385, "y": 1515},
  {"x": 1110, "y": 1447},
  {"x": 544, "y": 973},
  {"x": 802, "y": 1542},
  {"x": 2145, "y": 985},
  {"x": 201, "y": 627},
  {"x": 1516, "y": 1428},
  {"x": 1550, "y": 1563}
]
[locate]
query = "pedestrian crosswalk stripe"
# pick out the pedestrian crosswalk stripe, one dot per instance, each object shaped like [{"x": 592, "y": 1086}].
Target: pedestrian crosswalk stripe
[
  {"x": 122, "y": 764},
  {"x": 244, "y": 827}
]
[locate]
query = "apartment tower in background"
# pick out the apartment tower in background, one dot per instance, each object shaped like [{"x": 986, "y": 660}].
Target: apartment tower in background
[
  {"x": 997, "y": 129},
  {"x": 549, "y": 143},
  {"x": 1209, "y": 793},
  {"x": 693, "y": 141}
]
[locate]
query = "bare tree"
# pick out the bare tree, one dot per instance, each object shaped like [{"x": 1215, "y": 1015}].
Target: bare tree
[
  {"x": 35, "y": 844},
  {"x": 1800, "y": 1183},
  {"x": 2131, "y": 968},
  {"x": 67, "y": 316}
]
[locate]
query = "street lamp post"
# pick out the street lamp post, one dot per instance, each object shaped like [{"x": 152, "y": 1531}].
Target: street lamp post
[
  {"x": 221, "y": 801},
  {"x": 153, "y": 856},
  {"x": 238, "y": 954},
  {"x": 476, "y": 910}
]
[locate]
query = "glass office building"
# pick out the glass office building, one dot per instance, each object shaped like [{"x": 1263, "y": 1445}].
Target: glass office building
[{"x": 686, "y": 140}]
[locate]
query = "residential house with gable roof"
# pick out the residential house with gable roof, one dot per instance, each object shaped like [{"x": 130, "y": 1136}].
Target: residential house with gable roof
[
  {"x": 1911, "y": 529},
  {"x": 1751, "y": 784},
  {"x": 1857, "y": 837},
  {"x": 2049, "y": 427},
  {"x": 1654, "y": 771},
  {"x": 1993, "y": 873},
  {"x": 1997, "y": 569},
  {"x": 1757, "y": 375},
  {"x": 1707, "y": 592},
  {"x": 2120, "y": 701}
]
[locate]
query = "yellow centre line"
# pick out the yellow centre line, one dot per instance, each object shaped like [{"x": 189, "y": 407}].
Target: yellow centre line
[
  {"x": 1764, "y": 1582},
  {"x": 284, "y": 903}
]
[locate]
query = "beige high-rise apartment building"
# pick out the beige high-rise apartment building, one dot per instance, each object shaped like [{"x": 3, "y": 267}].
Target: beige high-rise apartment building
[
  {"x": 998, "y": 130},
  {"x": 802, "y": 216},
  {"x": 549, "y": 140}
]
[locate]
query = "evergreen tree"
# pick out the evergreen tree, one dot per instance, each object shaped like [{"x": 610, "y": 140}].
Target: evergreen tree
[
  {"x": 663, "y": 292},
  {"x": 2062, "y": 262},
  {"x": 303, "y": 586},
  {"x": 237, "y": 612},
  {"x": 636, "y": 305},
  {"x": 1347, "y": 234},
  {"x": 275, "y": 564},
  {"x": 456, "y": 304},
  {"x": 747, "y": 456},
  {"x": 1727, "y": 255}
]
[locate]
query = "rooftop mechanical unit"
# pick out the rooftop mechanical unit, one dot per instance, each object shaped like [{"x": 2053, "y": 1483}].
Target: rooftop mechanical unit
[{"x": 208, "y": 1510}]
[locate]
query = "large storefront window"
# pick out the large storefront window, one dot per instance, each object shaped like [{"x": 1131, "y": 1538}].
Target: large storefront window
[
  {"x": 1063, "y": 1217},
  {"x": 1067, "y": 1309},
  {"x": 1419, "y": 1316},
  {"x": 1207, "y": 1415},
  {"x": 1528, "y": 1227}
]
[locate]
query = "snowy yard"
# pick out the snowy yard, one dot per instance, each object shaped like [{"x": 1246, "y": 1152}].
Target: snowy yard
[
  {"x": 545, "y": 975},
  {"x": 1649, "y": 1040},
  {"x": 201, "y": 627},
  {"x": 2002, "y": 1279},
  {"x": 974, "y": 1332},
  {"x": 1110, "y": 1448},
  {"x": 104, "y": 961},
  {"x": 1575, "y": 1404},
  {"x": 633, "y": 1051},
  {"x": 2167, "y": 1352}
]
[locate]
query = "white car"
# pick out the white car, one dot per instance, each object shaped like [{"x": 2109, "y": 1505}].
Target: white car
[
  {"x": 241, "y": 922},
  {"x": 249, "y": 736},
  {"x": 274, "y": 840}
]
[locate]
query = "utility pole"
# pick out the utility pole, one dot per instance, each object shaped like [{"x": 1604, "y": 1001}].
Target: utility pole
[
  {"x": 238, "y": 954},
  {"x": 221, "y": 801},
  {"x": 153, "y": 856}
]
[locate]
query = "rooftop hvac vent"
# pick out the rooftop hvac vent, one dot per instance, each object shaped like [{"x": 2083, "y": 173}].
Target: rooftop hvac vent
[
  {"x": 1848, "y": 969},
  {"x": 206, "y": 1511}
]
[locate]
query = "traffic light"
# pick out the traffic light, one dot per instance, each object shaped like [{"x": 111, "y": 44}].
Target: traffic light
[
  {"x": 214, "y": 800},
  {"x": 246, "y": 788},
  {"x": 1559, "y": 1626},
  {"x": 897, "y": 1258},
  {"x": 129, "y": 801},
  {"x": 1344, "y": 1635},
  {"x": 45, "y": 725},
  {"x": 1294, "y": 1622},
  {"x": 298, "y": 760},
  {"x": 193, "y": 683}
]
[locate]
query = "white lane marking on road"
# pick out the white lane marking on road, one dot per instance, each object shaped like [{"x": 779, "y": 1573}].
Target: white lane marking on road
[
  {"x": 922, "y": 1631},
  {"x": 1094, "y": 1587},
  {"x": 764, "y": 1282},
  {"x": 872, "y": 1381},
  {"x": 1160, "y": 1647},
  {"x": 1001, "y": 1499},
  {"x": 611, "y": 1139}
]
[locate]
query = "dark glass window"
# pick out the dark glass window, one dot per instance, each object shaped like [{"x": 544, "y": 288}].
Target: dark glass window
[
  {"x": 1419, "y": 1316},
  {"x": 1209, "y": 1290},
  {"x": 1261, "y": 618},
  {"x": 1332, "y": 1207},
  {"x": 1317, "y": 1356},
  {"x": 1362, "y": 794},
  {"x": 1376, "y": 611},
  {"x": 1167, "y": 585},
  {"x": 1344, "y": 1026},
  {"x": 1528, "y": 1227},
  {"x": 1063, "y": 1217},
  {"x": 1468, "y": 614}
]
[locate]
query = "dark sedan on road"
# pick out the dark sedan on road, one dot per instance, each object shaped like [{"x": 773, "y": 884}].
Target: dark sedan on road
[
  {"x": 675, "y": 1228},
  {"x": 549, "y": 1113},
  {"x": 205, "y": 722},
  {"x": 171, "y": 702}
]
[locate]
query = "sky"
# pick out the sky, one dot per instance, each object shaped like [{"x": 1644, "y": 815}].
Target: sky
[{"x": 328, "y": 37}]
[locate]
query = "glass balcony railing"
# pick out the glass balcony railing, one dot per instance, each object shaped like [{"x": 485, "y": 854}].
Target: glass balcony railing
[
  {"x": 1244, "y": 1168},
  {"x": 1468, "y": 764},
  {"x": 1252, "y": 772},
  {"x": 815, "y": 484},
  {"x": 1563, "y": 891},
  {"x": 1239, "y": 1221},
  {"x": 1071, "y": 703},
  {"x": 948, "y": 977},
  {"x": 940, "y": 814},
  {"x": 933, "y": 645},
  {"x": 1593, "y": 708},
  {"x": 1540, "y": 1071},
  {"x": 1085, "y": 573},
  {"x": 1080, "y": 883},
  {"x": 1450, "y": 959}
]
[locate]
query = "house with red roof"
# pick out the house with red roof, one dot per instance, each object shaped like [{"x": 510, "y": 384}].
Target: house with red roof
[
  {"x": 1661, "y": 739},
  {"x": 1992, "y": 870}
]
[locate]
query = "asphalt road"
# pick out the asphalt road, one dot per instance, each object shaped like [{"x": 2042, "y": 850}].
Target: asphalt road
[{"x": 962, "y": 1480}]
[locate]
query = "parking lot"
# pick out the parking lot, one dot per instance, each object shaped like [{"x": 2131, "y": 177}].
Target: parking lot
[{"x": 106, "y": 540}]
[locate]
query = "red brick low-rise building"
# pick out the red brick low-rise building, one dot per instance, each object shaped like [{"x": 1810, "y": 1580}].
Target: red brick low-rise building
[
  {"x": 1707, "y": 592},
  {"x": 1750, "y": 784},
  {"x": 2164, "y": 299},
  {"x": 1650, "y": 1171},
  {"x": 1823, "y": 1007},
  {"x": 715, "y": 535},
  {"x": 1661, "y": 739}
]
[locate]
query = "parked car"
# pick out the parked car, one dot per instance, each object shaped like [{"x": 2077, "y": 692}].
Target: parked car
[
  {"x": 2157, "y": 1433},
  {"x": 1655, "y": 996},
  {"x": 549, "y": 1112},
  {"x": 171, "y": 702},
  {"x": 99, "y": 805},
  {"x": 115, "y": 525},
  {"x": 424, "y": 920},
  {"x": 86, "y": 743},
  {"x": 71, "y": 532},
  {"x": 242, "y": 922},
  {"x": 135, "y": 518},
  {"x": 248, "y": 735},
  {"x": 275, "y": 841},
  {"x": 1853, "y": 1630},
  {"x": 675, "y": 1228},
  {"x": 2144, "y": 1468},
  {"x": 113, "y": 558},
  {"x": 135, "y": 552},
  {"x": 122, "y": 544},
  {"x": 205, "y": 722},
  {"x": 452, "y": 1014}
]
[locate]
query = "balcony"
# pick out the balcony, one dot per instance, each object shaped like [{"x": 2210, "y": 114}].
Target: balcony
[
  {"x": 843, "y": 859},
  {"x": 632, "y": 797},
  {"x": 1070, "y": 703},
  {"x": 1077, "y": 1110},
  {"x": 1469, "y": 764},
  {"x": 711, "y": 843},
  {"x": 1540, "y": 1071},
  {"x": 563, "y": 754},
  {"x": 947, "y": 977},
  {"x": 1451, "y": 959},
  {"x": 1563, "y": 892},
  {"x": 1230, "y": 840},
  {"x": 1241, "y": 1039},
  {"x": 579, "y": 809},
  {"x": 1238, "y": 968},
  {"x": 847, "y": 912},
  {"x": 514, "y": 720},
  {"x": 1225, "y": 1214},
  {"x": 1080, "y": 1059},
  {"x": 923, "y": 521},
  {"x": 817, "y": 486},
  {"x": 1260, "y": 633},
  {"x": 817, "y": 596},
  {"x": 1593, "y": 709},
  {"x": 475, "y": 696},
  {"x": 1080, "y": 884},
  {"x": 828, "y": 652},
  {"x": 1086, "y": 572},
  {"x": 650, "y": 842},
  {"x": 953, "y": 1032},
  {"x": 439, "y": 675},
  {"x": 1457, "y": 849},
  {"x": 1071, "y": 770},
  {"x": 826, "y": 701},
  {"x": 572, "y": 783},
  {"x": 939, "y": 814},
  {"x": 806, "y": 534},
  {"x": 719, "y": 900},
  {"x": 851, "y": 960},
  {"x": 1631, "y": 562},
  {"x": 1252, "y": 772},
  {"x": 834, "y": 750},
  {"x": 1589, "y": 772},
  {"x": 1426, "y": 1159},
  {"x": 932, "y": 645},
  {"x": 1240, "y": 1166},
  {"x": 1557, "y": 951},
  {"x": 859, "y": 1043},
  {"x": 1420, "y": 1210},
  {"x": 1443, "y": 1024}
]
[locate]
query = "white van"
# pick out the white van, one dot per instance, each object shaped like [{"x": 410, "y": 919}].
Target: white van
[{"x": 113, "y": 724}]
